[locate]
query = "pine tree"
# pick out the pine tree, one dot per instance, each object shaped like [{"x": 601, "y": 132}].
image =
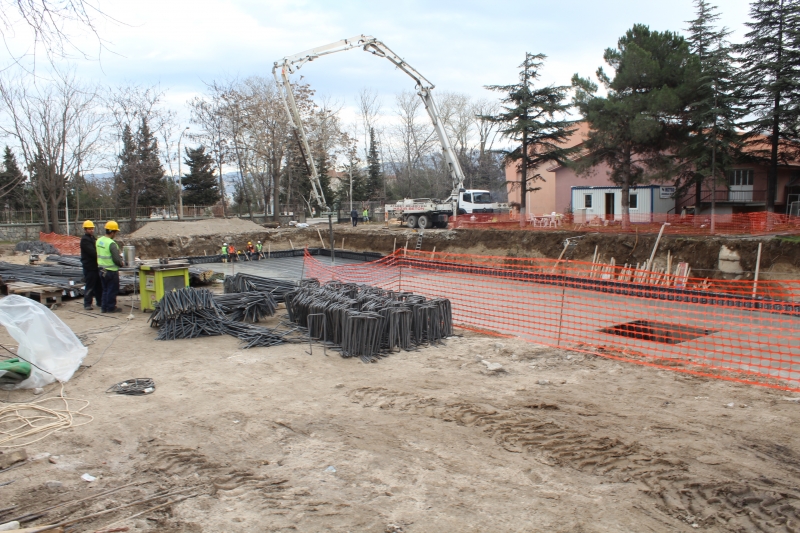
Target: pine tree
[
  {"x": 770, "y": 59},
  {"x": 200, "y": 185},
  {"x": 154, "y": 190},
  {"x": 634, "y": 127},
  {"x": 11, "y": 181},
  {"x": 714, "y": 143},
  {"x": 140, "y": 178},
  {"x": 534, "y": 118},
  {"x": 374, "y": 184}
]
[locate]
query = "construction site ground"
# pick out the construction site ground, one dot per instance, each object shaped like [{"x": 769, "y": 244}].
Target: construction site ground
[
  {"x": 277, "y": 439},
  {"x": 478, "y": 434}
]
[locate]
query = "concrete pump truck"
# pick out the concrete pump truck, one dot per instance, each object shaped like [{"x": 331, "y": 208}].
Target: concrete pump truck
[{"x": 420, "y": 213}]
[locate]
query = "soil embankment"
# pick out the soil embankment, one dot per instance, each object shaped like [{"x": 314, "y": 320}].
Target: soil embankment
[{"x": 780, "y": 256}]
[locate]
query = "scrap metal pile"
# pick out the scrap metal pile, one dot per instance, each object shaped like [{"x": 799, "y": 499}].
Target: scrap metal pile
[
  {"x": 189, "y": 313},
  {"x": 369, "y": 322}
]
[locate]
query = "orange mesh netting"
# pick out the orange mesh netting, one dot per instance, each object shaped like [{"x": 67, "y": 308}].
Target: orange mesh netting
[
  {"x": 761, "y": 223},
  {"x": 65, "y": 244},
  {"x": 734, "y": 330}
]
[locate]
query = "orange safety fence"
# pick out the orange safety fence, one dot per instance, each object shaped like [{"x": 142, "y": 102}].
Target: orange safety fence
[
  {"x": 713, "y": 328},
  {"x": 760, "y": 223},
  {"x": 65, "y": 244}
]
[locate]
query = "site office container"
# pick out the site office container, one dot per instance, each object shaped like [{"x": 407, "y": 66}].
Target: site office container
[{"x": 605, "y": 203}]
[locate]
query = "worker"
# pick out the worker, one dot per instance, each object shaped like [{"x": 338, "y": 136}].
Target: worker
[
  {"x": 224, "y": 252},
  {"x": 260, "y": 250},
  {"x": 251, "y": 250},
  {"x": 354, "y": 216},
  {"x": 109, "y": 261},
  {"x": 91, "y": 273},
  {"x": 231, "y": 252},
  {"x": 366, "y": 215}
]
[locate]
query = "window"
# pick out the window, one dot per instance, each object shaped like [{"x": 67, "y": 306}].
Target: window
[
  {"x": 633, "y": 201},
  {"x": 587, "y": 201},
  {"x": 481, "y": 198},
  {"x": 467, "y": 197},
  {"x": 740, "y": 177}
]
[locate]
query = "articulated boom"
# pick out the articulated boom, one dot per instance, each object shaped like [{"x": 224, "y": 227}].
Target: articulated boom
[{"x": 290, "y": 64}]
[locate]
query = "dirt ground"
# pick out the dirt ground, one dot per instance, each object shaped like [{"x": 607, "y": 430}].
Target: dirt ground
[
  {"x": 275, "y": 439},
  {"x": 780, "y": 256}
]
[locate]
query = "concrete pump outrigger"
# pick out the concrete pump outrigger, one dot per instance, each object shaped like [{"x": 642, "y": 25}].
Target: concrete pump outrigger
[{"x": 422, "y": 213}]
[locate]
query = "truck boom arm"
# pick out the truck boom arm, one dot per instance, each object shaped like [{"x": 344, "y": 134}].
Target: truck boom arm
[{"x": 290, "y": 64}]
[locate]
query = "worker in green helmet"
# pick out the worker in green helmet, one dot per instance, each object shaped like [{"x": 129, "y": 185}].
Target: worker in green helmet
[{"x": 109, "y": 260}]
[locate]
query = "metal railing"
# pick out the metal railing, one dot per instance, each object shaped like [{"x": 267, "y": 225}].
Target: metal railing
[
  {"x": 726, "y": 195},
  {"x": 35, "y": 216}
]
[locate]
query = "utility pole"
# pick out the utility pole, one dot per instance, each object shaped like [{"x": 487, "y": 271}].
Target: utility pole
[{"x": 180, "y": 177}]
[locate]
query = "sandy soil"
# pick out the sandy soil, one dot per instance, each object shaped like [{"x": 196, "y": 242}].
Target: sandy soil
[
  {"x": 421, "y": 441},
  {"x": 171, "y": 228}
]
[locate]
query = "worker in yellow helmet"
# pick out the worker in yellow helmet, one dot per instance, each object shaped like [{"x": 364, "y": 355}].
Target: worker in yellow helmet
[
  {"x": 109, "y": 261},
  {"x": 91, "y": 274}
]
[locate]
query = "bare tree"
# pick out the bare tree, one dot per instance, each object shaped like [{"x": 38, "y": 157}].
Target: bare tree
[
  {"x": 413, "y": 142},
  {"x": 208, "y": 113},
  {"x": 49, "y": 22},
  {"x": 369, "y": 109},
  {"x": 58, "y": 127}
]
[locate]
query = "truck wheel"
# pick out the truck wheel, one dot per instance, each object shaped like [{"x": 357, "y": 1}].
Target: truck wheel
[
  {"x": 411, "y": 221},
  {"x": 424, "y": 222}
]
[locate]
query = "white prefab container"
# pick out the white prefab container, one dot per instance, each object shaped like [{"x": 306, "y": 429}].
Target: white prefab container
[{"x": 605, "y": 203}]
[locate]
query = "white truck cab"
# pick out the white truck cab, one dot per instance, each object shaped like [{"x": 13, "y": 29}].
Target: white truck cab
[{"x": 427, "y": 213}]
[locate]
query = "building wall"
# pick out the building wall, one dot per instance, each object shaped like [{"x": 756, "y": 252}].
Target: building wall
[
  {"x": 567, "y": 179},
  {"x": 545, "y": 200}
]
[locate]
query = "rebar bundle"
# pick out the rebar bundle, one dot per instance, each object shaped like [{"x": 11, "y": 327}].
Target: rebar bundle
[
  {"x": 368, "y": 322},
  {"x": 37, "y": 247},
  {"x": 246, "y": 306},
  {"x": 246, "y": 283},
  {"x": 69, "y": 279},
  {"x": 189, "y": 313}
]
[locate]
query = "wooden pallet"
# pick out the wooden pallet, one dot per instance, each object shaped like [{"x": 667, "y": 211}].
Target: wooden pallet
[{"x": 44, "y": 292}]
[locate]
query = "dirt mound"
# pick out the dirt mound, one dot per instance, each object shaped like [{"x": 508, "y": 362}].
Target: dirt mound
[{"x": 212, "y": 226}]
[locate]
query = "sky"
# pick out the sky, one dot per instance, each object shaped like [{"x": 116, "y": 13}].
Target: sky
[{"x": 460, "y": 46}]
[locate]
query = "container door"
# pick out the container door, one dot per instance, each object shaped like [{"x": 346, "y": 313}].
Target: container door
[{"x": 609, "y": 206}]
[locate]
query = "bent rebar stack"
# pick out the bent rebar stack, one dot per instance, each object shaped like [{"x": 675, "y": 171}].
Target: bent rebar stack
[{"x": 368, "y": 322}]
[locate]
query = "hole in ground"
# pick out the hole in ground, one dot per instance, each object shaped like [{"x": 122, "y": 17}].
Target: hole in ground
[{"x": 649, "y": 330}]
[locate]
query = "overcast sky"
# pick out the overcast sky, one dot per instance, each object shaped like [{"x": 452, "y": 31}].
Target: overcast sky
[{"x": 459, "y": 45}]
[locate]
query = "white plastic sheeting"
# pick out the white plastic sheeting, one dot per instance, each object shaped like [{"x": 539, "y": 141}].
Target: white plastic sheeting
[{"x": 43, "y": 339}]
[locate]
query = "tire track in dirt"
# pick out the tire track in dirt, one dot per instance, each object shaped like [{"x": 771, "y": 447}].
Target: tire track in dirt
[
  {"x": 748, "y": 506},
  {"x": 174, "y": 464}
]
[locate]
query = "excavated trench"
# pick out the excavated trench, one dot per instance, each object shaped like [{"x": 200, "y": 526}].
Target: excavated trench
[{"x": 780, "y": 257}]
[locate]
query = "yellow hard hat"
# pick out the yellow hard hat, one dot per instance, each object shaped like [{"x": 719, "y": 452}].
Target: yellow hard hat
[
  {"x": 112, "y": 225},
  {"x": 88, "y": 224},
  {"x": 248, "y": 242}
]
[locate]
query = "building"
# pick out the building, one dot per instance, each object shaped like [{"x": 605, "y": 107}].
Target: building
[
  {"x": 599, "y": 203},
  {"x": 745, "y": 190}
]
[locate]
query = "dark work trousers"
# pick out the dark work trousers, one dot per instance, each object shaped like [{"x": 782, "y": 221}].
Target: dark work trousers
[
  {"x": 110, "y": 289},
  {"x": 93, "y": 288},
  {"x": 355, "y": 221}
]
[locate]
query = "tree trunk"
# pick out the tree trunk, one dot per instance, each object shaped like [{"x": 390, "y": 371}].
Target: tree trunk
[
  {"x": 55, "y": 227},
  {"x": 626, "y": 187},
  {"x": 772, "y": 176}
]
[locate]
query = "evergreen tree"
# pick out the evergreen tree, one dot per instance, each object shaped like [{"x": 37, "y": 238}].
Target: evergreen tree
[
  {"x": 534, "y": 118},
  {"x": 324, "y": 170},
  {"x": 374, "y": 184},
  {"x": 200, "y": 185},
  {"x": 714, "y": 143},
  {"x": 12, "y": 181},
  {"x": 642, "y": 117},
  {"x": 770, "y": 59},
  {"x": 140, "y": 178},
  {"x": 154, "y": 186}
]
